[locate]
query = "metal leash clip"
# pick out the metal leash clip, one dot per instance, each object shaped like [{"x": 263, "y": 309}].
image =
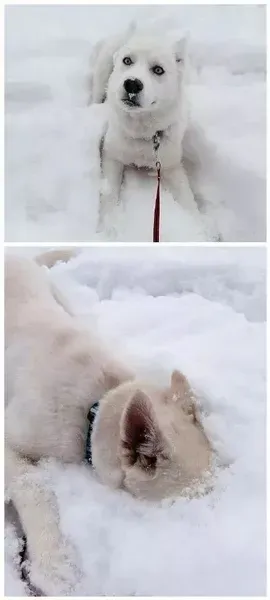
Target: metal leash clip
[{"x": 156, "y": 144}]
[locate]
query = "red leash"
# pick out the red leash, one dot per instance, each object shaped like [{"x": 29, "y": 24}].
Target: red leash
[{"x": 157, "y": 207}]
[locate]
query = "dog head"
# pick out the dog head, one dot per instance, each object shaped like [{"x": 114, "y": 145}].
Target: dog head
[
  {"x": 150, "y": 441},
  {"x": 147, "y": 75}
]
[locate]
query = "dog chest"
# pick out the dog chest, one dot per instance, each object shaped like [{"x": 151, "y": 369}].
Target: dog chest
[{"x": 140, "y": 152}]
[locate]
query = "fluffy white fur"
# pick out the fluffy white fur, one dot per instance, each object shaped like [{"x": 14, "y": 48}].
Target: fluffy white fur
[
  {"x": 146, "y": 439},
  {"x": 102, "y": 64},
  {"x": 134, "y": 118}
]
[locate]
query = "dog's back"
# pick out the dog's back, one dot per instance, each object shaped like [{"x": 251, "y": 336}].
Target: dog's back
[
  {"x": 25, "y": 285},
  {"x": 27, "y": 289}
]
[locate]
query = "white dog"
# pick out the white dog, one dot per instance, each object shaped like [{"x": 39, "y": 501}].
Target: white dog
[
  {"x": 148, "y": 114},
  {"x": 145, "y": 439}
]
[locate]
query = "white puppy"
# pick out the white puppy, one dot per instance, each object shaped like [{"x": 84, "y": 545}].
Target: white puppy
[
  {"x": 145, "y": 439},
  {"x": 148, "y": 116}
]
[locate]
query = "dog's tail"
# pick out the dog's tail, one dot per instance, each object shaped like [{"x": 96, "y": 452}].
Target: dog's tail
[{"x": 50, "y": 258}]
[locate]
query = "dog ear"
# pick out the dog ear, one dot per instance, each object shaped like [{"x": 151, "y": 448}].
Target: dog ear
[
  {"x": 124, "y": 39},
  {"x": 181, "y": 49},
  {"x": 115, "y": 56},
  {"x": 182, "y": 392},
  {"x": 141, "y": 439}
]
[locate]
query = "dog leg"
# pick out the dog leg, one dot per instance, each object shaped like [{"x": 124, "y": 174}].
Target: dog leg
[
  {"x": 178, "y": 184},
  {"x": 53, "y": 563},
  {"x": 110, "y": 193}
]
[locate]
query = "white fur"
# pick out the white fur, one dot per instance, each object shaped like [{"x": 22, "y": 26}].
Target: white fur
[
  {"x": 145, "y": 439},
  {"x": 163, "y": 106},
  {"x": 102, "y": 64},
  {"x": 54, "y": 371}
]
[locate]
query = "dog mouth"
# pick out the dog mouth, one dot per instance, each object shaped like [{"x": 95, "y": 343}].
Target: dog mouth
[
  {"x": 134, "y": 103},
  {"x": 131, "y": 101}
]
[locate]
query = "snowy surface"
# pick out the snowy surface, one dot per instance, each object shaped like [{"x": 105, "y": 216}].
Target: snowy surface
[
  {"x": 203, "y": 311},
  {"x": 52, "y": 160}
]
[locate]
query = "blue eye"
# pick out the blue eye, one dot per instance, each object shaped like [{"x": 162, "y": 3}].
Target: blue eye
[
  {"x": 127, "y": 61},
  {"x": 158, "y": 70}
]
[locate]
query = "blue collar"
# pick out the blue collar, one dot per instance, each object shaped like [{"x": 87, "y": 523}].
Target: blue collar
[{"x": 91, "y": 418}]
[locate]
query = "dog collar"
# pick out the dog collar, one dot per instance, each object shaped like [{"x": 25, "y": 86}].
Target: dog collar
[{"x": 91, "y": 418}]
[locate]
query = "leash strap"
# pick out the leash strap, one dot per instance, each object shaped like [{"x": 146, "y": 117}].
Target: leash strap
[
  {"x": 157, "y": 207},
  {"x": 156, "y": 144}
]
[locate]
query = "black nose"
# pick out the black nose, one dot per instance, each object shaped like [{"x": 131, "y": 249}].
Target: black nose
[{"x": 133, "y": 86}]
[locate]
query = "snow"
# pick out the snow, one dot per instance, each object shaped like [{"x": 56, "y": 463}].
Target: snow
[
  {"x": 52, "y": 160},
  {"x": 201, "y": 310}
]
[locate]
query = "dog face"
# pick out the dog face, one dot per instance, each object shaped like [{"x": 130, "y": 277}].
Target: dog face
[
  {"x": 150, "y": 440},
  {"x": 147, "y": 75}
]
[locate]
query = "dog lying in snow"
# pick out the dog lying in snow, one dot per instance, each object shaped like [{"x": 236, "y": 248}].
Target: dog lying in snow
[
  {"x": 146, "y": 440},
  {"x": 143, "y": 80}
]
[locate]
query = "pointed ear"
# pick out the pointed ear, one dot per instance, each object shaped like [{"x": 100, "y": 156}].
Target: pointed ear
[
  {"x": 115, "y": 54},
  {"x": 182, "y": 392},
  {"x": 141, "y": 439},
  {"x": 124, "y": 39},
  {"x": 179, "y": 383},
  {"x": 181, "y": 49}
]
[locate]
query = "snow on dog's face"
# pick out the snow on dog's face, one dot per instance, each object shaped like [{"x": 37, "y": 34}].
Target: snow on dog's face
[
  {"x": 147, "y": 75},
  {"x": 150, "y": 441}
]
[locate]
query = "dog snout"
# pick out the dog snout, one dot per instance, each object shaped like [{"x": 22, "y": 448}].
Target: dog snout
[{"x": 133, "y": 86}]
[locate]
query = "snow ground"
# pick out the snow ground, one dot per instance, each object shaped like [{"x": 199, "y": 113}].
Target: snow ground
[
  {"x": 203, "y": 311},
  {"x": 52, "y": 162}
]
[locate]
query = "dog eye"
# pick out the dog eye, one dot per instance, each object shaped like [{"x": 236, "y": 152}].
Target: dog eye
[
  {"x": 158, "y": 70},
  {"x": 127, "y": 61}
]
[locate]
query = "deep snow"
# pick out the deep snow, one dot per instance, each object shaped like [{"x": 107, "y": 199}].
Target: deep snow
[
  {"x": 203, "y": 311},
  {"x": 52, "y": 161}
]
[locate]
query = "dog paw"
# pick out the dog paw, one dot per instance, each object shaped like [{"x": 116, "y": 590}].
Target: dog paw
[
  {"x": 56, "y": 574},
  {"x": 100, "y": 226},
  {"x": 107, "y": 229},
  {"x": 111, "y": 233},
  {"x": 108, "y": 232},
  {"x": 105, "y": 188}
]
